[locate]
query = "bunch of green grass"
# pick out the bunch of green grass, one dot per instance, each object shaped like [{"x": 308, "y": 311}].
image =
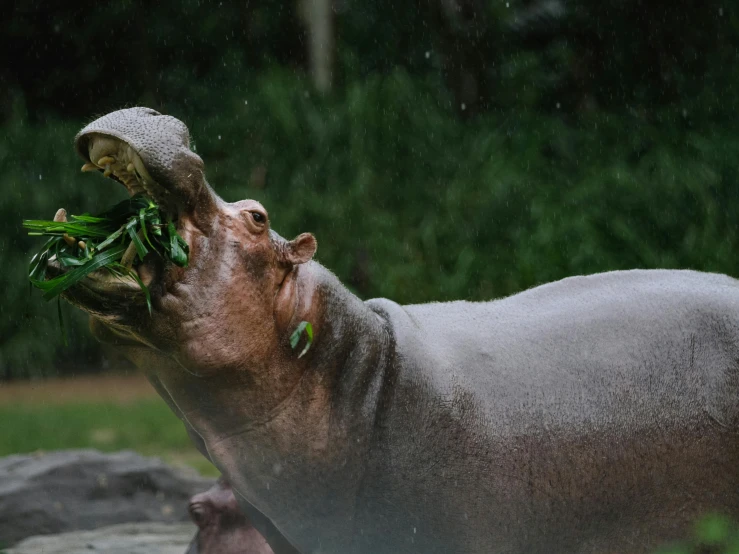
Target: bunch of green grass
[{"x": 100, "y": 242}]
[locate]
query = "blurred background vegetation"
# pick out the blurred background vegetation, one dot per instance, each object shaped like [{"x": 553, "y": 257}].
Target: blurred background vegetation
[{"x": 438, "y": 149}]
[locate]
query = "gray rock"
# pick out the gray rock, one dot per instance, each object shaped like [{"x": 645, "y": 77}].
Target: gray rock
[
  {"x": 86, "y": 489},
  {"x": 124, "y": 538}
]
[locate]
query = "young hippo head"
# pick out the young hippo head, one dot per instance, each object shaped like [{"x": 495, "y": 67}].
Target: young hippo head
[
  {"x": 222, "y": 527},
  {"x": 236, "y": 301}
]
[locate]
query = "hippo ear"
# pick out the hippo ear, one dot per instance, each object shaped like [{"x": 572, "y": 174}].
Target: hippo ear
[{"x": 300, "y": 249}]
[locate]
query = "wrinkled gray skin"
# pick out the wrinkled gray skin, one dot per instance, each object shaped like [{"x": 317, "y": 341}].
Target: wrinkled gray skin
[
  {"x": 592, "y": 415},
  {"x": 222, "y": 527}
]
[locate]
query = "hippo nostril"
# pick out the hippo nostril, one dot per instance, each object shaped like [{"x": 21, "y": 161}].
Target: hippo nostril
[{"x": 198, "y": 513}]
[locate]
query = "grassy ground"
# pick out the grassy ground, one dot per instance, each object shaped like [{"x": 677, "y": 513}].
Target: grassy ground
[{"x": 109, "y": 413}]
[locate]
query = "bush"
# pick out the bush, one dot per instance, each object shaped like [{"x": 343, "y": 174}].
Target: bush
[{"x": 406, "y": 200}]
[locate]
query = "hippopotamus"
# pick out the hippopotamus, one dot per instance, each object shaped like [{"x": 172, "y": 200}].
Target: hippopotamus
[
  {"x": 596, "y": 414},
  {"x": 222, "y": 526}
]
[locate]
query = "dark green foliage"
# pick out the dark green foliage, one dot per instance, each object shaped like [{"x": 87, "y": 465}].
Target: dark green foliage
[
  {"x": 607, "y": 140},
  {"x": 304, "y": 327}
]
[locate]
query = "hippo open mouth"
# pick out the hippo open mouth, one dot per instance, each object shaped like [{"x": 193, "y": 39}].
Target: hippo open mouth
[{"x": 149, "y": 154}]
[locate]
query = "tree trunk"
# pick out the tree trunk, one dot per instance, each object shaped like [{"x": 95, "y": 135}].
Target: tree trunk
[{"x": 318, "y": 17}]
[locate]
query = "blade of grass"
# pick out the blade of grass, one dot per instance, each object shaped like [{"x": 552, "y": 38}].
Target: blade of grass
[
  {"x": 111, "y": 238},
  {"x": 176, "y": 251},
  {"x": 89, "y": 218},
  {"x": 140, "y": 247},
  {"x": 143, "y": 216},
  {"x": 74, "y": 229}
]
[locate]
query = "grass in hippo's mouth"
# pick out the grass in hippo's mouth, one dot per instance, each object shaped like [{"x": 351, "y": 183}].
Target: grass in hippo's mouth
[{"x": 112, "y": 241}]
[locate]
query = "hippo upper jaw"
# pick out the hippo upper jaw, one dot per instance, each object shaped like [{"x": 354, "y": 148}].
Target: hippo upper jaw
[{"x": 149, "y": 153}]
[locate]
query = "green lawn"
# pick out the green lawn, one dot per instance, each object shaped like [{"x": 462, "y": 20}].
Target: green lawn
[{"x": 146, "y": 426}]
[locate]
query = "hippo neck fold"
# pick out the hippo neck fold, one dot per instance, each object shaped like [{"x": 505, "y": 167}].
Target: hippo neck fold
[
  {"x": 352, "y": 349},
  {"x": 343, "y": 373}
]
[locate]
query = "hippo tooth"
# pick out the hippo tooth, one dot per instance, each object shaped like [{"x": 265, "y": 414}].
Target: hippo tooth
[
  {"x": 89, "y": 167},
  {"x": 107, "y": 171},
  {"x": 106, "y": 160},
  {"x": 71, "y": 241},
  {"x": 60, "y": 216},
  {"x": 130, "y": 167}
]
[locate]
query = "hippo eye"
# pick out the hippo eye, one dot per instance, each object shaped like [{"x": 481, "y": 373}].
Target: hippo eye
[{"x": 258, "y": 217}]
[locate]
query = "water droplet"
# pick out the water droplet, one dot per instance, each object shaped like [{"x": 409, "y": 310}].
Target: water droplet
[
  {"x": 559, "y": 105},
  {"x": 40, "y": 177},
  {"x": 428, "y": 54},
  {"x": 464, "y": 106},
  {"x": 219, "y": 137}
]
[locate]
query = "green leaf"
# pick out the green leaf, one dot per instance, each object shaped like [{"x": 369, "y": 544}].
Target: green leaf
[
  {"x": 39, "y": 261},
  {"x": 306, "y": 327},
  {"x": 178, "y": 249},
  {"x": 137, "y": 242},
  {"x": 70, "y": 227},
  {"x": 110, "y": 239},
  {"x": 89, "y": 218},
  {"x": 67, "y": 260},
  {"x": 143, "y": 216}
]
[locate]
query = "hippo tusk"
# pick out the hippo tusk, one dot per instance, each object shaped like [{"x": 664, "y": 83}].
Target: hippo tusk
[
  {"x": 106, "y": 160},
  {"x": 60, "y": 216}
]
